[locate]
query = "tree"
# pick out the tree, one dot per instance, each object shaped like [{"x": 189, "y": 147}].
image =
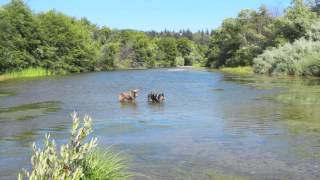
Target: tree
[
  {"x": 185, "y": 47},
  {"x": 67, "y": 44},
  {"x": 241, "y": 39},
  {"x": 167, "y": 51},
  {"x": 19, "y": 37},
  {"x": 101, "y": 35},
  {"x": 316, "y": 6},
  {"x": 297, "y": 20},
  {"x": 143, "y": 53},
  {"x": 108, "y": 56}
]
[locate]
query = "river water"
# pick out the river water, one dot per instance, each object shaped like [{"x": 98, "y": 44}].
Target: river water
[{"x": 211, "y": 126}]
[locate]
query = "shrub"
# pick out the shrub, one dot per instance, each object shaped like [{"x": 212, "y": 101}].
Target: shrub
[
  {"x": 299, "y": 58},
  {"x": 311, "y": 64},
  {"x": 314, "y": 32},
  {"x": 75, "y": 160}
]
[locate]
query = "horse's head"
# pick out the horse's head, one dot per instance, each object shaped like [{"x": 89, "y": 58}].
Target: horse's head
[
  {"x": 135, "y": 92},
  {"x": 161, "y": 97}
]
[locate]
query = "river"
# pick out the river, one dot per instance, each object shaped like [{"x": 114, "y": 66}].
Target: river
[{"x": 211, "y": 126}]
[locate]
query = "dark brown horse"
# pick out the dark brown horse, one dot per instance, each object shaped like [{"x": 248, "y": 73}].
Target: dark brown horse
[
  {"x": 156, "y": 97},
  {"x": 129, "y": 96}
]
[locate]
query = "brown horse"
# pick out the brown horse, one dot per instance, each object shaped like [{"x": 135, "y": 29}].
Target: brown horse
[{"x": 129, "y": 96}]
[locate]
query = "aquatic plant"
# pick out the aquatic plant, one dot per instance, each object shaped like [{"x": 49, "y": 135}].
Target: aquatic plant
[
  {"x": 75, "y": 160},
  {"x": 216, "y": 175},
  {"x": 28, "y": 111},
  {"x": 5, "y": 94}
]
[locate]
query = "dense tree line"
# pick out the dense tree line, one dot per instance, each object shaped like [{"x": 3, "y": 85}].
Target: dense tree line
[
  {"x": 60, "y": 43},
  {"x": 300, "y": 55},
  {"x": 273, "y": 44},
  {"x": 239, "y": 40}
]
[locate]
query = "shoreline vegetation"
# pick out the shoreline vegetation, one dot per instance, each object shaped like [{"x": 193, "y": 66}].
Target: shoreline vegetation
[
  {"x": 78, "y": 159},
  {"x": 272, "y": 44},
  {"x": 26, "y": 73},
  {"x": 40, "y": 72},
  {"x": 245, "y": 70}
]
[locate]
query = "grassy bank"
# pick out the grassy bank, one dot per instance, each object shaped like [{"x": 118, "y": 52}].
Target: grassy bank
[
  {"x": 237, "y": 70},
  {"x": 30, "y": 72}
]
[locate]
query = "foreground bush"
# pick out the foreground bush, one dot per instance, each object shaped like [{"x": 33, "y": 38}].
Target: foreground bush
[
  {"x": 299, "y": 58},
  {"x": 75, "y": 160}
]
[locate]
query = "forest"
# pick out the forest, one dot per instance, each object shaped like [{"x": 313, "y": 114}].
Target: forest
[{"x": 271, "y": 42}]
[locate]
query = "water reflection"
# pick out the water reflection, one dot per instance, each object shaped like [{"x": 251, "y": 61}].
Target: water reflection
[
  {"x": 297, "y": 100},
  {"x": 290, "y": 114},
  {"x": 130, "y": 105}
]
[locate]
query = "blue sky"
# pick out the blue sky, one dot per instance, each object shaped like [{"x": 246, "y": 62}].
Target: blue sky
[{"x": 153, "y": 14}]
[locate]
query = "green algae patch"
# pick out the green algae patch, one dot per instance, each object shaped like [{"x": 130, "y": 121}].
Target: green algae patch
[
  {"x": 28, "y": 111},
  {"x": 215, "y": 175},
  {"x": 301, "y": 109},
  {"x": 298, "y": 99},
  {"x": 24, "y": 136},
  {"x": 5, "y": 94},
  {"x": 48, "y": 106}
]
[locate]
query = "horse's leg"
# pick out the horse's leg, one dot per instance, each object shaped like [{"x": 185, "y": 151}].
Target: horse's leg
[{"x": 149, "y": 97}]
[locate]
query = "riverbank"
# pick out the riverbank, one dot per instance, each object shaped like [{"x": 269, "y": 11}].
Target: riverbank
[
  {"x": 30, "y": 72},
  {"x": 40, "y": 72},
  {"x": 246, "y": 70}
]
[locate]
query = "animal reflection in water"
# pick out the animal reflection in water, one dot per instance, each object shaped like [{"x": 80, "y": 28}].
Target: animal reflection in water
[
  {"x": 156, "y": 97},
  {"x": 129, "y": 105},
  {"x": 129, "y": 96}
]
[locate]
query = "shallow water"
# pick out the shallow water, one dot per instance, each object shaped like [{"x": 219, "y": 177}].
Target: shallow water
[{"x": 212, "y": 126}]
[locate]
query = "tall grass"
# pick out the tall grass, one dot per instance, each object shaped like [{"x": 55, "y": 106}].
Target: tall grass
[
  {"x": 30, "y": 72},
  {"x": 106, "y": 165},
  {"x": 237, "y": 70}
]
